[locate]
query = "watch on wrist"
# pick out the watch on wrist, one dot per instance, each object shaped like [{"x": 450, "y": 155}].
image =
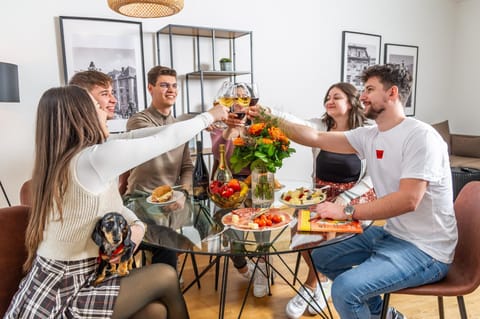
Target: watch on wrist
[{"x": 349, "y": 210}]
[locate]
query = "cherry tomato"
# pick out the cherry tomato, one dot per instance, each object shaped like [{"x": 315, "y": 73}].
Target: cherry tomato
[
  {"x": 234, "y": 184},
  {"x": 227, "y": 192},
  {"x": 276, "y": 219}
]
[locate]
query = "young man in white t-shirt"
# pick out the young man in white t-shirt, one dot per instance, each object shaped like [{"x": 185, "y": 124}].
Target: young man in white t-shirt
[{"x": 409, "y": 166}]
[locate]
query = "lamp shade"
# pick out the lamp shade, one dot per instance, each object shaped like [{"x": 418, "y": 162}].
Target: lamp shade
[
  {"x": 9, "y": 83},
  {"x": 146, "y": 8}
]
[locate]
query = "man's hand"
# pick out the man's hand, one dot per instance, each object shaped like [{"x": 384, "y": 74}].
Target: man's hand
[{"x": 330, "y": 210}]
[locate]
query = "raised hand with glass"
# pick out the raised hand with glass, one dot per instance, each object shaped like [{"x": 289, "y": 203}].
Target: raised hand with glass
[{"x": 225, "y": 96}]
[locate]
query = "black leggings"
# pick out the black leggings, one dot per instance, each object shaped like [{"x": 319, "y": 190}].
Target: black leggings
[{"x": 150, "y": 292}]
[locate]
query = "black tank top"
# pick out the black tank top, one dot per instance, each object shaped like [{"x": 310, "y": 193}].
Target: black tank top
[{"x": 338, "y": 168}]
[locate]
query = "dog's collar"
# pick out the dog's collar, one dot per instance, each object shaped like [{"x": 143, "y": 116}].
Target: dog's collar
[{"x": 117, "y": 252}]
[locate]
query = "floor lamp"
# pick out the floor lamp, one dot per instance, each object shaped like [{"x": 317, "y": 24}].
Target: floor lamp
[
  {"x": 5, "y": 194},
  {"x": 8, "y": 93}
]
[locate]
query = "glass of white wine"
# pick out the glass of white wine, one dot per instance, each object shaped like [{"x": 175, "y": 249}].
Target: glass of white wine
[{"x": 226, "y": 97}]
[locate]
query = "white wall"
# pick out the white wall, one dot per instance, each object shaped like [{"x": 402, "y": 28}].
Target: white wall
[{"x": 297, "y": 48}]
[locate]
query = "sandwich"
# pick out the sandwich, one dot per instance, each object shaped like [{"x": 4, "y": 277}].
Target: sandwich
[{"x": 162, "y": 194}]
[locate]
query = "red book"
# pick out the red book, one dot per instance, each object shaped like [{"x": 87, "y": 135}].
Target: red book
[{"x": 307, "y": 224}]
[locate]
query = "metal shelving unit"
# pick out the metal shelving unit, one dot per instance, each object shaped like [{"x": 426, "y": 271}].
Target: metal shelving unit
[{"x": 214, "y": 34}]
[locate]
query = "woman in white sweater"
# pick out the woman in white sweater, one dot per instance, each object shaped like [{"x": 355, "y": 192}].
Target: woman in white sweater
[
  {"x": 74, "y": 184},
  {"x": 344, "y": 173}
]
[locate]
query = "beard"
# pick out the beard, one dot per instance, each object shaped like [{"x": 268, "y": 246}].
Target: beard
[{"x": 372, "y": 112}]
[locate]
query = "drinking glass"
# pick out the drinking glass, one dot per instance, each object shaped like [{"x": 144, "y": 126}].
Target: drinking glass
[
  {"x": 254, "y": 93},
  {"x": 242, "y": 100},
  {"x": 225, "y": 96}
]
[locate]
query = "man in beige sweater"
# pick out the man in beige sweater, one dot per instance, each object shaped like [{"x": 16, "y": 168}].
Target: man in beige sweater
[{"x": 174, "y": 167}]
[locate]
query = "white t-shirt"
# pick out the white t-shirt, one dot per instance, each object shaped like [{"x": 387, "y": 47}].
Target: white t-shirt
[{"x": 413, "y": 149}]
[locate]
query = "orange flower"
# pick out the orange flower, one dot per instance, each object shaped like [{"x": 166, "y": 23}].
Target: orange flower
[
  {"x": 266, "y": 140},
  {"x": 239, "y": 141},
  {"x": 256, "y": 128},
  {"x": 277, "y": 134}
]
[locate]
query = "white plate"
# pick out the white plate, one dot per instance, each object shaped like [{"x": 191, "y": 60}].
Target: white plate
[
  {"x": 303, "y": 205},
  {"x": 176, "y": 196},
  {"x": 245, "y": 218}
]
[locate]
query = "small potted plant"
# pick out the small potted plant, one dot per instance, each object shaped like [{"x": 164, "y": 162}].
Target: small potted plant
[{"x": 226, "y": 64}]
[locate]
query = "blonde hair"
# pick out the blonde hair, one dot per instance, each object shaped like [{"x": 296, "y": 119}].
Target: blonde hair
[{"x": 67, "y": 123}]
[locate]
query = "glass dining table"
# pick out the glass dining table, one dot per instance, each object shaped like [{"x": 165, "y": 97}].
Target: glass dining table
[{"x": 197, "y": 229}]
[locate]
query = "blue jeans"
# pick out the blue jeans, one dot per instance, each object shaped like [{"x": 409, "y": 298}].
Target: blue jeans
[{"x": 383, "y": 263}]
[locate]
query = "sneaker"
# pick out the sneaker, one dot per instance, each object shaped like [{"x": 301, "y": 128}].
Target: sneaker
[
  {"x": 297, "y": 305},
  {"x": 249, "y": 272},
  {"x": 393, "y": 313},
  {"x": 318, "y": 296},
  {"x": 260, "y": 281}
]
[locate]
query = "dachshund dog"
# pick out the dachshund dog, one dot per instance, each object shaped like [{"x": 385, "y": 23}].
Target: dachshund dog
[{"x": 112, "y": 235}]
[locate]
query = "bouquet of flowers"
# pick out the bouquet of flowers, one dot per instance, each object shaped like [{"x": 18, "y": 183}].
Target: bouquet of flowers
[{"x": 264, "y": 145}]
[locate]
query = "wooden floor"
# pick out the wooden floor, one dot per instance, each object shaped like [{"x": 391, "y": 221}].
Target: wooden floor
[{"x": 203, "y": 303}]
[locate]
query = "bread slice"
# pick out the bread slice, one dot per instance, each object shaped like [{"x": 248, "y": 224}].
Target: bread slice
[{"x": 162, "y": 194}]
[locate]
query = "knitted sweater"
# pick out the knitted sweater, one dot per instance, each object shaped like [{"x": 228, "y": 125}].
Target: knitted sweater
[{"x": 93, "y": 188}]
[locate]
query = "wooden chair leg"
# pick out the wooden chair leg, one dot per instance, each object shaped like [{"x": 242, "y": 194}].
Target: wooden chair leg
[
  {"x": 441, "y": 311},
  {"x": 461, "y": 307},
  {"x": 386, "y": 300}
]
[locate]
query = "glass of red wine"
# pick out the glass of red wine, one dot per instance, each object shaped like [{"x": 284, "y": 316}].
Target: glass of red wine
[
  {"x": 242, "y": 97},
  {"x": 254, "y": 93}
]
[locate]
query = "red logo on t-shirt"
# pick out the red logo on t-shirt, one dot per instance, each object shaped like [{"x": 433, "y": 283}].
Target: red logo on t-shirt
[{"x": 379, "y": 154}]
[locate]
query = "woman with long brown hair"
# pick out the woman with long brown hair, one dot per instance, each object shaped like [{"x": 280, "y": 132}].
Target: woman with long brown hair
[{"x": 74, "y": 184}]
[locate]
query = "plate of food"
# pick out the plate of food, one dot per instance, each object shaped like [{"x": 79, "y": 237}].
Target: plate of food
[
  {"x": 257, "y": 219},
  {"x": 164, "y": 195},
  {"x": 302, "y": 197}
]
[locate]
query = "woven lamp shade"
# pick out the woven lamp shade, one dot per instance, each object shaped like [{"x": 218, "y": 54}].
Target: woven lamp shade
[{"x": 146, "y": 8}]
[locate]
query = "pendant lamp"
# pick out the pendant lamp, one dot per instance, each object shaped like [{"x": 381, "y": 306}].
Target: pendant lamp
[{"x": 146, "y": 8}]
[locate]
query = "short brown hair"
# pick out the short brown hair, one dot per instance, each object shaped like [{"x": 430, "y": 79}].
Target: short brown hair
[
  {"x": 88, "y": 79},
  {"x": 158, "y": 70},
  {"x": 390, "y": 75}
]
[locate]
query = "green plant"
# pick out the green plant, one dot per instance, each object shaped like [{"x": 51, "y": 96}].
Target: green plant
[
  {"x": 224, "y": 60},
  {"x": 264, "y": 145}
]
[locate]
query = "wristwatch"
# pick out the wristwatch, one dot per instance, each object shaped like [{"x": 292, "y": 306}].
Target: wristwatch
[{"x": 349, "y": 210}]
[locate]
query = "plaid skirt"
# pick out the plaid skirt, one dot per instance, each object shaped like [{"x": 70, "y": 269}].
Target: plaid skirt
[{"x": 56, "y": 289}]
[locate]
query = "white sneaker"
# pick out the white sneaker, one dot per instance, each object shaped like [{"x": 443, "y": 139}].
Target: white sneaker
[
  {"x": 297, "y": 305},
  {"x": 318, "y": 296},
  {"x": 393, "y": 313},
  {"x": 260, "y": 281},
  {"x": 249, "y": 272}
]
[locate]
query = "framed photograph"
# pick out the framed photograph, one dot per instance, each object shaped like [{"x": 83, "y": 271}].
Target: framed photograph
[
  {"x": 406, "y": 55},
  {"x": 359, "y": 51},
  {"x": 114, "y": 47}
]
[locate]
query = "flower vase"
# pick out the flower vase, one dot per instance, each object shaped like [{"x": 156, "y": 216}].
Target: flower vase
[{"x": 263, "y": 187}]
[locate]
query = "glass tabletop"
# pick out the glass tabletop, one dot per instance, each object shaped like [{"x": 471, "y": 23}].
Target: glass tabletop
[{"x": 198, "y": 228}]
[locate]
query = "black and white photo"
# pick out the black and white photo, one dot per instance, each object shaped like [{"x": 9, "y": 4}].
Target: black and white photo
[
  {"x": 114, "y": 47},
  {"x": 359, "y": 51},
  {"x": 407, "y": 56}
]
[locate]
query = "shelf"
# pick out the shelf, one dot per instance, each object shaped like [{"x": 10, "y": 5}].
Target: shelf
[
  {"x": 202, "y": 31},
  {"x": 217, "y": 73}
]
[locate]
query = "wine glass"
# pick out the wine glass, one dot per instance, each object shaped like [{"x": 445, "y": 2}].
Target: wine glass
[
  {"x": 242, "y": 100},
  {"x": 225, "y": 96},
  {"x": 254, "y": 93}
]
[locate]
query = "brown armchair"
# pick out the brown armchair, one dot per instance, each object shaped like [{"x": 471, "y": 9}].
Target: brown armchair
[
  {"x": 464, "y": 274},
  {"x": 12, "y": 251}
]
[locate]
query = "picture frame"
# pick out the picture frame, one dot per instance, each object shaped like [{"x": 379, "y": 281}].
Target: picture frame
[
  {"x": 114, "y": 47},
  {"x": 408, "y": 56},
  {"x": 359, "y": 51}
]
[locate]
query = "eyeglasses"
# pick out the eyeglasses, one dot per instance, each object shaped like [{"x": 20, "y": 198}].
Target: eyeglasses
[{"x": 165, "y": 85}]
